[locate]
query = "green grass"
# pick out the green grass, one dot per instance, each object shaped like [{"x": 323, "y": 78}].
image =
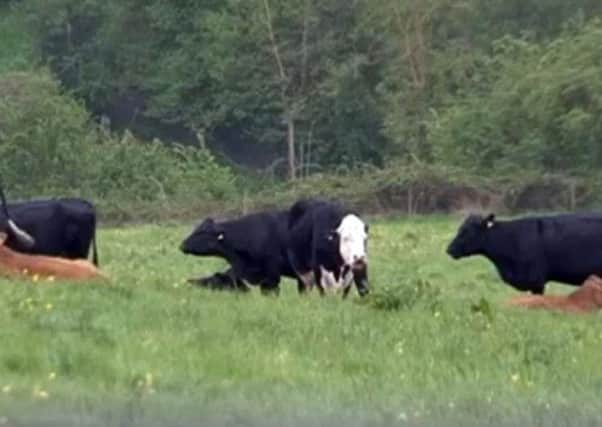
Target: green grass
[{"x": 433, "y": 344}]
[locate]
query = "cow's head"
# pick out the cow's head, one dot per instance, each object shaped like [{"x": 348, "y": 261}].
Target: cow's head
[
  {"x": 207, "y": 239},
  {"x": 471, "y": 235},
  {"x": 351, "y": 236}
]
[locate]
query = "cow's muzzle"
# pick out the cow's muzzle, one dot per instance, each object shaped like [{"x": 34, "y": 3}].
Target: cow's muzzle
[
  {"x": 453, "y": 252},
  {"x": 359, "y": 264}
]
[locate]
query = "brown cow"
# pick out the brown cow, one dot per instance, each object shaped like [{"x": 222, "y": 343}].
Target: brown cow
[
  {"x": 16, "y": 264},
  {"x": 586, "y": 298}
]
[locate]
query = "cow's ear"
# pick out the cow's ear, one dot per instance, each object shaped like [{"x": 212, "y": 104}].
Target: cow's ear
[
  {"x": 3, "y": 237},
  {"x": 489, "y": 221},
  {"x": 219, "y": 232},
  {"x": 207, "y": 224}
]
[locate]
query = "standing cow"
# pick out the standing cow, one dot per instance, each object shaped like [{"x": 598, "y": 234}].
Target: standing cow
[
  {"x": 529, "y": 252},
  {"x": 63, "y": 227},
  {"x": 326, "y": 236}
]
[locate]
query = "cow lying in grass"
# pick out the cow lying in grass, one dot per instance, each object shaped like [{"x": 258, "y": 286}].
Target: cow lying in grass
[
  {"x": 18, "y": 265},
  {"x": 586, "y": 299},
  {"x": 64, "y": 227}
]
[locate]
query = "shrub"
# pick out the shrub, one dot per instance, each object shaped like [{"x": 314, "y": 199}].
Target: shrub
[
  {"x": 404, "y": 297},
  {"x": 50, "y": 146}
]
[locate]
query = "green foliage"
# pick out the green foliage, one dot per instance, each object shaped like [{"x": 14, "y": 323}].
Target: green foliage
[
  {"x": 404, "y": 297},
  {"x": 45, "y": 141},
  {"x": 503, "y": 93},
  {"x": 16, "y": 44},
  {"x": 49, "y": 146},
  {"x": 542, "y": 113}
]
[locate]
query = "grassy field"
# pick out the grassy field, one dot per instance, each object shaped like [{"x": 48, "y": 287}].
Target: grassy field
[{"x": 433, "y": 345}]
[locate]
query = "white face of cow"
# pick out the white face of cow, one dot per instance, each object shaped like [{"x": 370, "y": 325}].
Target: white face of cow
[{"x": 353, "y": 237}]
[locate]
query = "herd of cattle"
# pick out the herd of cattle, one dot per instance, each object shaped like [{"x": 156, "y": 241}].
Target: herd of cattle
[{"x": 318, "y": 243}]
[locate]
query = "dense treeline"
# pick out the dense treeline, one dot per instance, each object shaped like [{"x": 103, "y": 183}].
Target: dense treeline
[
  {"x": 338, "y": 81},
  {"x": 492, "y": 87}
]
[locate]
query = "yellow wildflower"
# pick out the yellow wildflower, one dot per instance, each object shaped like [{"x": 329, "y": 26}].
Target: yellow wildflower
[{"x": 40, "y": 393}]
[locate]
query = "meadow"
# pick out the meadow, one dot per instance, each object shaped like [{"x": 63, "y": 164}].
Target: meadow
[{"x": 432, "y": 345}]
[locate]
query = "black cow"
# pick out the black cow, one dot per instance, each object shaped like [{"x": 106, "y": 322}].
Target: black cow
[
  {"x": 63, "y": 227},
  {"x": 254, "y": 245},
  {"x": 325, "y": 235},
  {"x": 529, "y": 252}
]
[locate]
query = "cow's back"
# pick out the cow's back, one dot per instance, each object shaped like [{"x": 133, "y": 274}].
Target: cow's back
[
  {"x": 255, "y": 233},
  {"x": 37, "y": 218},
  {"x": 572, "y": 246},
  {"x": 60, "y": 226}
]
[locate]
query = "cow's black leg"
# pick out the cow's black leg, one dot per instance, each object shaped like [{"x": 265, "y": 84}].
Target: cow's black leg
[
  {"x": 360, "y": 277},
  {"x": 318, "y": 280},
  {"x": 538, "y": 290},
  {"x": 301, "y": 288},
  {"x": 270, "y": 285},
  {"x": 241, "y": 286},
  {"x": 270, "y": 290},
  {"x": 346, "y": 290},
  {"x": 305, "y": 282},
  {"x": 237, "y": 283}
]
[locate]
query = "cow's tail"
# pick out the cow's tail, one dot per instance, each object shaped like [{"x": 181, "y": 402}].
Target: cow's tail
[
  {"x": 94, "y": 249},
  {"x": 4, "y": 204}
]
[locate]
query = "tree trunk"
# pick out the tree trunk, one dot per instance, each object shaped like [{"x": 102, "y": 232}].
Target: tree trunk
[{"x": 292, "y": 167}]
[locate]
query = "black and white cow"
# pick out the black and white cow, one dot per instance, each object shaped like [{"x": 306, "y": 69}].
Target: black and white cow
[
  {"x": 529, "y": 252},
  {"x": 254, "y": 246},
  {"x": 58, "y": 227},
  {"x": 324, "y": 235}
]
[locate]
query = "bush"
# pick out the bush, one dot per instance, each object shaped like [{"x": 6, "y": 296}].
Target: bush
[
  {"x": 404, "y": 297},
  {"x": 542, "y": 113},
  {"x": 49, "y": 146}
]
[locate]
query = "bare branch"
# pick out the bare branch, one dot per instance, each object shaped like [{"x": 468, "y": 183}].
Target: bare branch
[
  {"x": 275, "y": 50},
  {"x": 304, "y": 46}
]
